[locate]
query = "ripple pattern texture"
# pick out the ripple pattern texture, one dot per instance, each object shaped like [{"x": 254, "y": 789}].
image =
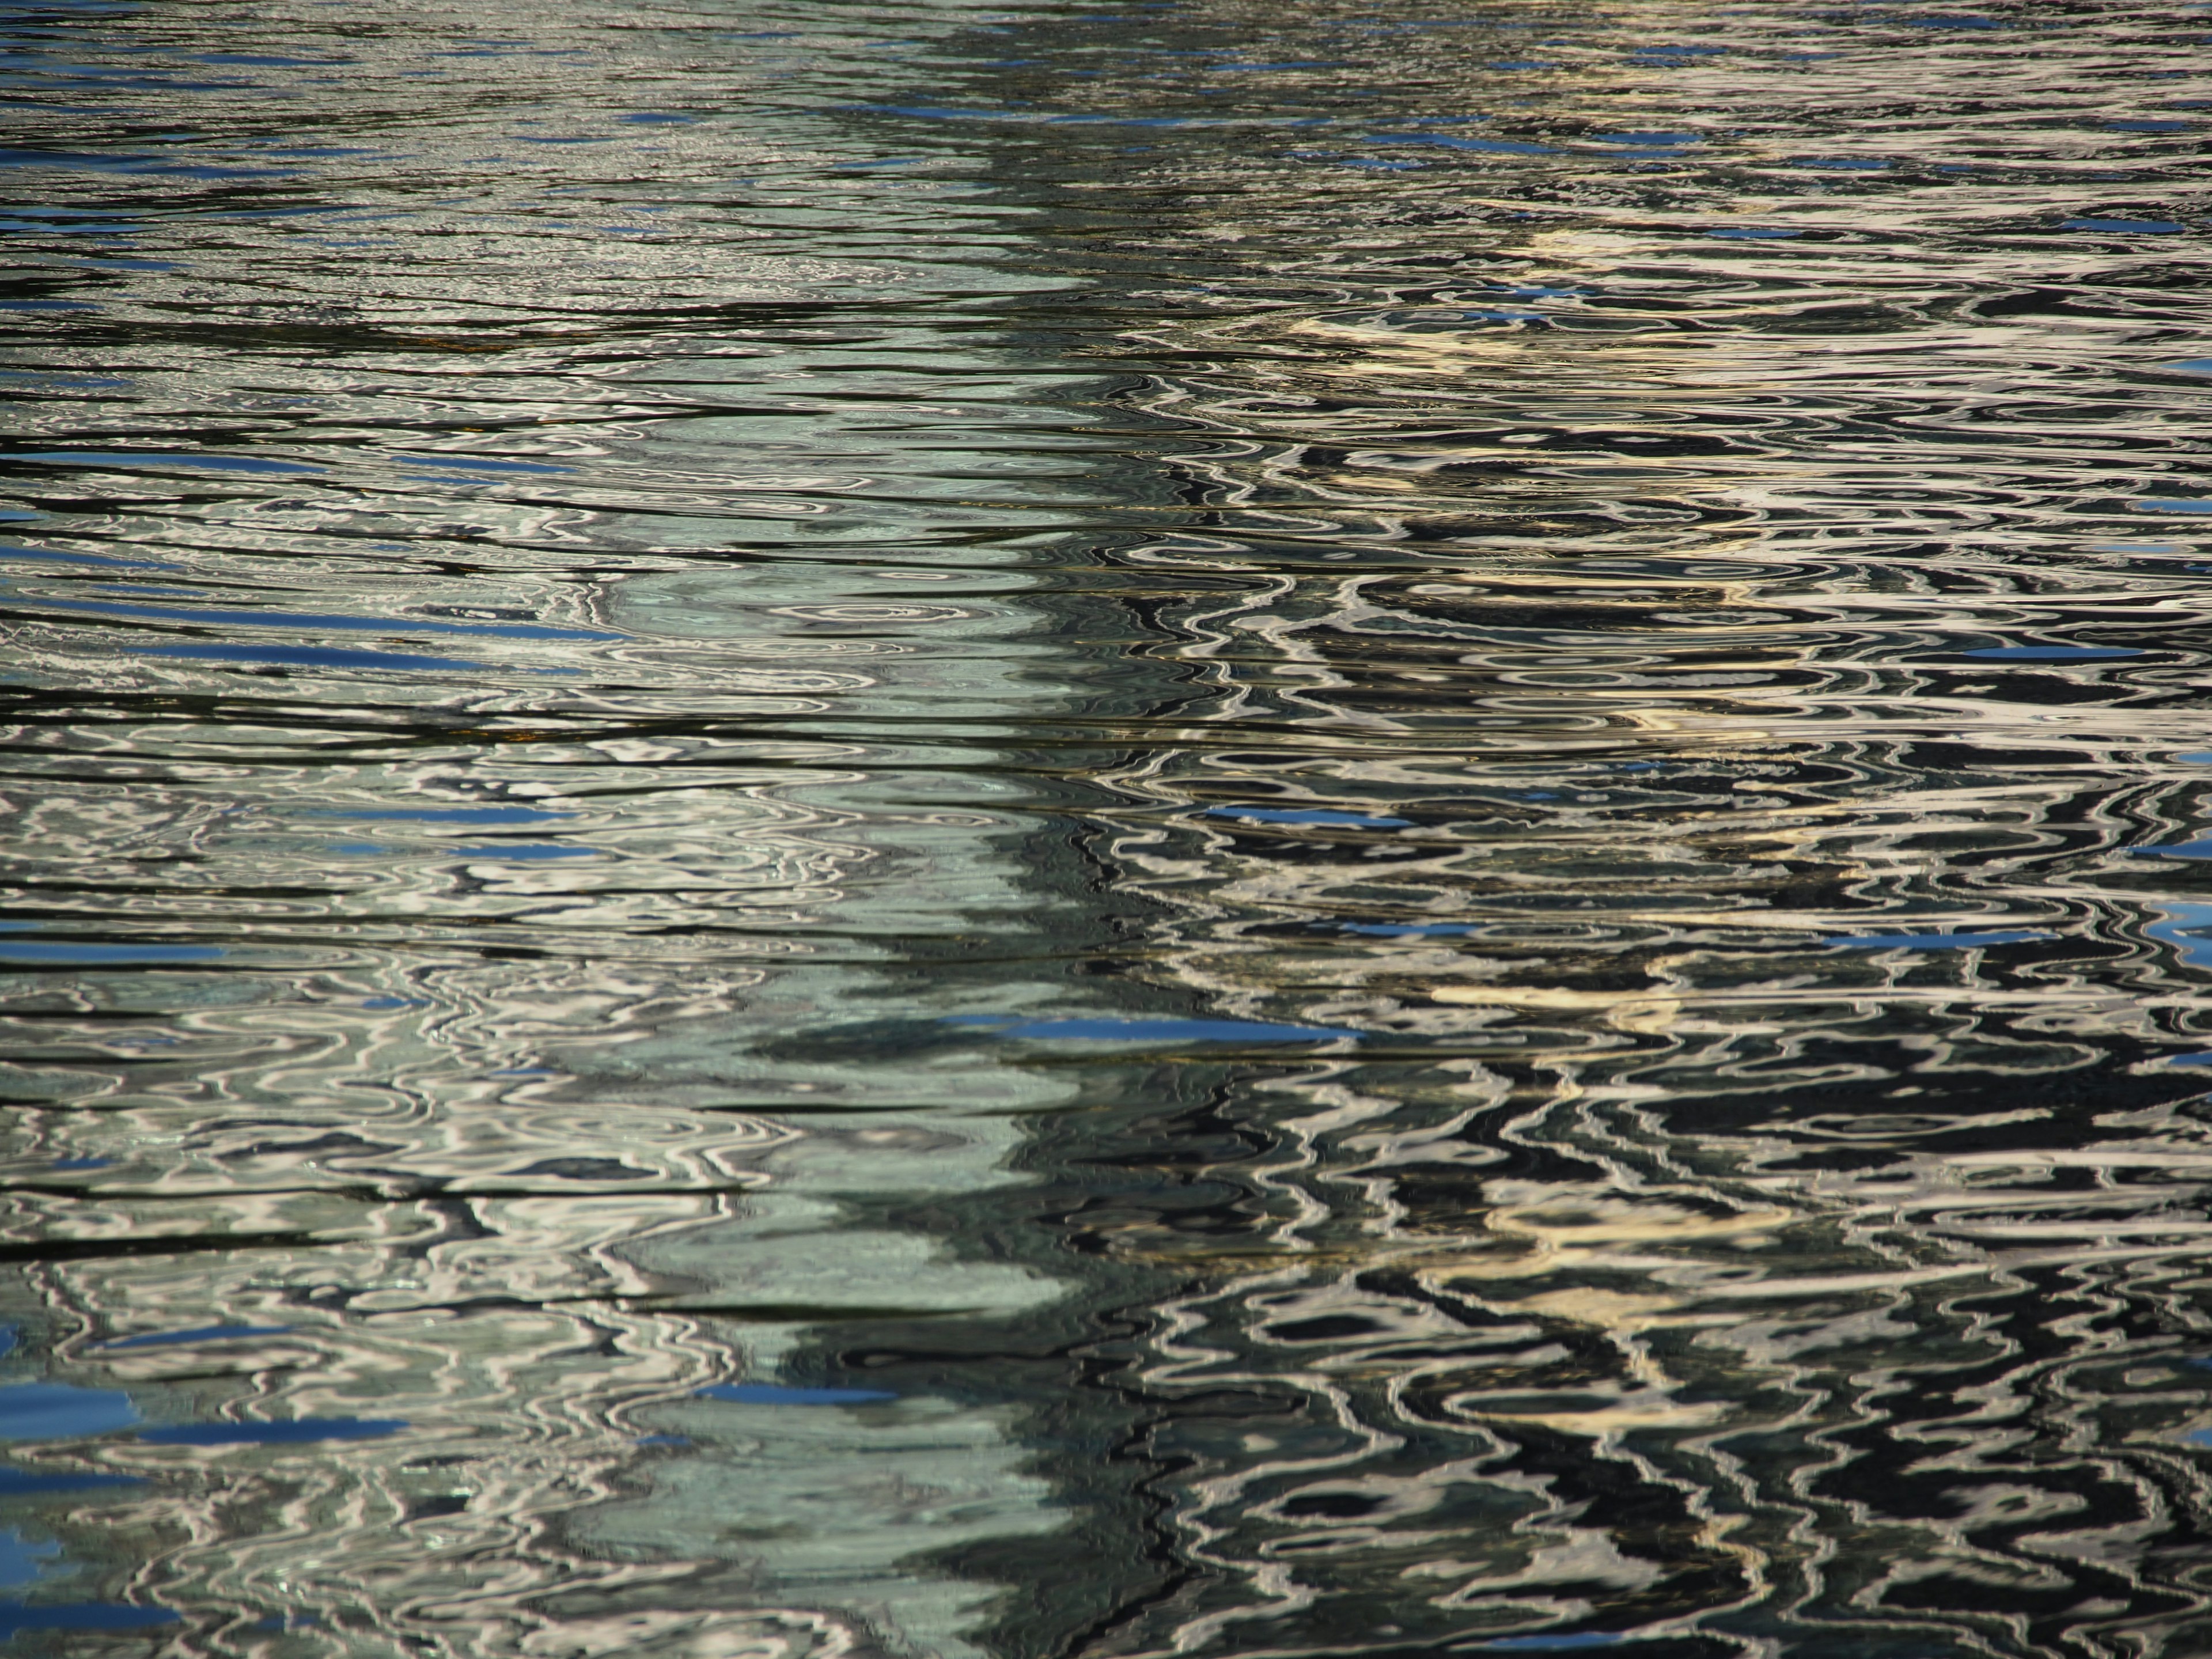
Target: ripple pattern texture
[{"x": 924, "y": 831}]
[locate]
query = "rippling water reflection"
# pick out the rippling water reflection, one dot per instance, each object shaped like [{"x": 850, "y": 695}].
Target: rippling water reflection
[{"x": 911, "y": 830}]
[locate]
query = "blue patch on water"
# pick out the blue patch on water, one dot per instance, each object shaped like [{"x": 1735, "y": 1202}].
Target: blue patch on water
[
  {"x": 71, "y": 1164},
  {"x": 322, "y": 620},
  {"x": 2188, "y": 928},
  {"x": 1154, "y": 1030},
  {"x": 447, "y": 814},
  {"x": 84, "y": 382},
  {"x": 297, "y": 1430},
  {"x": 1307, "y": 815},
  {"x": 2188, "y": 1060},
  {"x": 22, "y": 1562},
  {"x": 1649, "y": 140},
  {"x": 2127, "y": 227},
  {"x": 2172, "y": 504},
  {"x": 310, "y": 656},
  {"x": 2180, "y": 849},
  {"x": 664, "y": 1440},
  {"x": 939, "y": 113},
  {"x": 79, "y": 1615},
  {"x": 60, "y": 1410},
  {"x": 645, "y": 117},
  {"x": 150, "y": 458},
  {"x": 1937, "y": 941},
  {"x": 1755, "y": 234},
  {"x": 198, "y": 1333},
  {"x": 2191, "y": 366},
  {"x": 45, "y": 953},
  {"x": 1407, "y": 929},
  {"x": 41, "y": 1483},
  {"x": 395, "y": 1002},
  {"x": 1952, "y": 23},
  {"x": 1445, "y": 140},
  {"x": 46, "y": 555},
  {"x": 2148, "y": 126},
  {"x": 520, "y": 849},
  {"x": 472, "y": 463},
  {"x": 769, "y": 1394},
  {"x": 2051, "y": 652}
]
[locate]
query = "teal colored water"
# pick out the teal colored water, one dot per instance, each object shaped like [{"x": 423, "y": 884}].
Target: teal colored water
[{"x": 957, "y": 831}]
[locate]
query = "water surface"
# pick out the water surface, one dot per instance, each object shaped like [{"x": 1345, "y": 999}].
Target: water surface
[{"x": 936, "y": 830}]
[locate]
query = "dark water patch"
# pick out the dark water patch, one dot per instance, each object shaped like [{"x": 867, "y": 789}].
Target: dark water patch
[
  {"x": 16, "y": 1617},
  {"x": 52, "y": 1483}
]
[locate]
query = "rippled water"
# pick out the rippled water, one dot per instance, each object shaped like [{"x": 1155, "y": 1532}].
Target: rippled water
[{"x": 933, "y": 830}]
